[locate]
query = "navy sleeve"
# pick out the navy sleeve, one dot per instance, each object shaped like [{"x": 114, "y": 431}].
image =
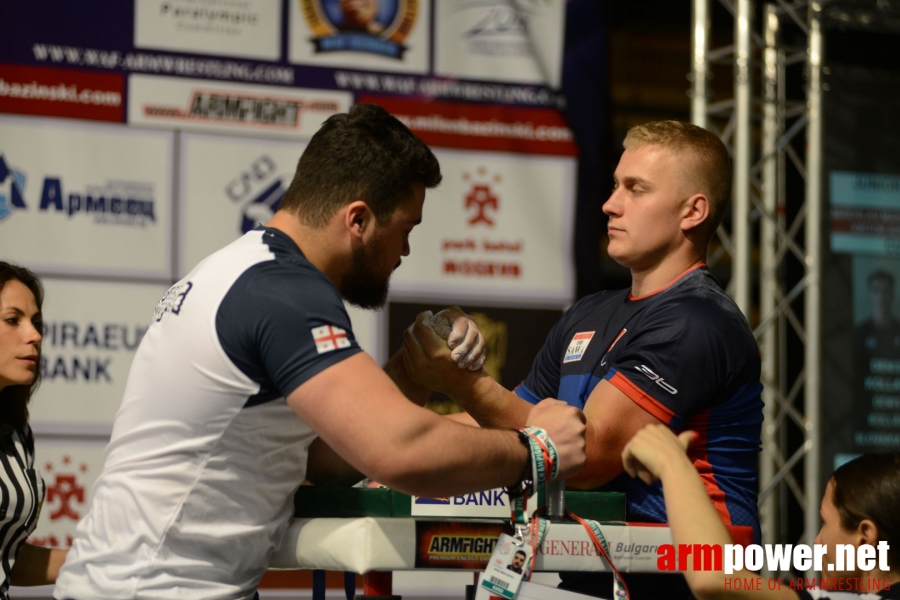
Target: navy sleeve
[
  {"x": 684, "y": 358},
  {"x": 543, "y": 380},
  {"x": 283, "y": 324}
]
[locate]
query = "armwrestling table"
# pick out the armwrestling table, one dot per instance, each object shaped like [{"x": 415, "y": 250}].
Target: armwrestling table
[{"x": 374, "y": 532}]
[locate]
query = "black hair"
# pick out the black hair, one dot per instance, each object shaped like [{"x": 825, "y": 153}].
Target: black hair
[
  {"x": 14, "y": 398},
  {"x": 365, "y": 154}
]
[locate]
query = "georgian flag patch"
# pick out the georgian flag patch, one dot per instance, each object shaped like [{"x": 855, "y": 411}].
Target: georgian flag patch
[
  {"x": 578, "y": 346},
  {"x": 329, "y": 338}
]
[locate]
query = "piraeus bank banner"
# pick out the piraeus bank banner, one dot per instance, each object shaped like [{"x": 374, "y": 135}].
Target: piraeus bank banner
[
  {"x": 91, "y": 332},
  {"x": 86, "y": 199}
]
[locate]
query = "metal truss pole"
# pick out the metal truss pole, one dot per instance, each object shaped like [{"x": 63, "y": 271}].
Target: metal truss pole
[
  {"x": 773, "y": 125},
  {"x": 736, "y": 132},
  {"x": 700, "y": 63},
  {"x": 743, "y": 120},
  {"x": 788, "y": 230},
  {"x": 813, "y": 317}
]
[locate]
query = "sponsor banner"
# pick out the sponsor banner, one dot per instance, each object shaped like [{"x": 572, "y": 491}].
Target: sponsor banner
[
  {"x": 228, "y": 186},
  {"x": 499, "y": 226},
  {"x": 179, "y": 103},
  {"x": 248, "y": 28},
  {"x": 448, "y": 545},
  {"x": 872, "y": 418},
  {"x": 470, "y": 126},
  {"x": 86, "y": 199},
  {"x": 384, "y": 35},
  {"x": 500, "y": 40},
  {"x": 91, "y": 332},
  {"x": 491, "y": 504},
  {"x": 69, "y": 468},
  {"x": 865, "y": 213},
  {"x": 61, "y": 93}
]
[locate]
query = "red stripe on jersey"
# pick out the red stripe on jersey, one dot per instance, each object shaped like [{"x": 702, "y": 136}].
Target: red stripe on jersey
[
  {"x": 697, "y": 453},
  {"x": 642, "y": 398},
  {"x": 668, "y": 285}
]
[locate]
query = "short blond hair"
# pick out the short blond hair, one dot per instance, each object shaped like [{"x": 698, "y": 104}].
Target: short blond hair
[{"x": 712, "y": 164}]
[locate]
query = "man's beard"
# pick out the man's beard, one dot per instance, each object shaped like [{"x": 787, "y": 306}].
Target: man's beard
[{"x": 361, "y": 286}]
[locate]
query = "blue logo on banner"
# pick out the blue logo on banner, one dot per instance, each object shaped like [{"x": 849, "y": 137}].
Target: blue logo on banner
[
  {"x": 12, "y": 186},
  {"x": 262, "y": 207},
  {"x": 362, "y": 26},
  {"x": 432, "y": 500}
]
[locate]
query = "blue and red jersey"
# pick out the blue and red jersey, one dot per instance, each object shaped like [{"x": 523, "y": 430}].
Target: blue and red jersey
[{"x": 686, "y": 355}]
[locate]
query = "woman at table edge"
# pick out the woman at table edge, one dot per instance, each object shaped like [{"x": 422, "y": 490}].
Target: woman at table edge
[{"x": 861, "y": 506}]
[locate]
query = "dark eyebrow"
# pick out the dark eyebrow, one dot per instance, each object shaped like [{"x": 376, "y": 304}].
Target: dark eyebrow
[{"x": 20, "y": 313}]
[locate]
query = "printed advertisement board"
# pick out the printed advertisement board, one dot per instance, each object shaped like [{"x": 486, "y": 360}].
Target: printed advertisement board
[
  {"x": 86, "y": 199},
  {"x": 249, "y": 28},
  {"x": 228, "y": 185},
  {"x": 516, "y": 41},
  {"x": 198, "y": 104},
  {"x": 91, "y": 332},
  {"x": 62, "y": 93},
  {"x": 455, "y": 545},
  {"x": 865, "y": 213},
  {"x": 389, "y": 35},
  {"x": 69, "y": 467},
  {"x": 499, "y": 225}
]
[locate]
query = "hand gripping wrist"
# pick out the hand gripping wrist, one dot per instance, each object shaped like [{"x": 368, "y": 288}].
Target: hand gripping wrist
[{"x": 543, "y": 464}]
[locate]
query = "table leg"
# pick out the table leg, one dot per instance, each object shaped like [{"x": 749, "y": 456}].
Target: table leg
[{"x": 378, "y": 583}]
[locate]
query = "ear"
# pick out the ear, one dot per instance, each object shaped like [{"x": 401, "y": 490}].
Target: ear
[
  {"x": 867, "y": 532},
  {"x": 357, "y": 218},
  {"x": 695, "y": 212}
]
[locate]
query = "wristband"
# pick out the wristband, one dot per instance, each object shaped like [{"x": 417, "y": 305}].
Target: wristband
[{"x": 542, "y": 466}]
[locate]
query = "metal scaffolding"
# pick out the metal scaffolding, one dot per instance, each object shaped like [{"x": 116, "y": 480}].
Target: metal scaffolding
[{"x": 781, "y": 227}]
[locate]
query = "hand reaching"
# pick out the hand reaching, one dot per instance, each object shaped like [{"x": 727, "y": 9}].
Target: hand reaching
[{"x": 652, "y": 449}]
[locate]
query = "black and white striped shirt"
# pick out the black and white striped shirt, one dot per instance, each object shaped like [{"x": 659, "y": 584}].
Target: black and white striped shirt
[{"x": 21, "y": 495}]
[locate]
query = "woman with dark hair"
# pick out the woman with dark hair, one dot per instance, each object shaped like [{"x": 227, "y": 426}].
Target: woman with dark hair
[
  {"x": 21, "y": 487},
  {"x": 861, "y": 507}
]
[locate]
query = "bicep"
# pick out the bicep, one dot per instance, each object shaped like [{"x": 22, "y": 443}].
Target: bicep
[{"x": 612, "y": 420}]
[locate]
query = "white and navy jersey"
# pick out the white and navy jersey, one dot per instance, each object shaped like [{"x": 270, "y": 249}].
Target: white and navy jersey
[
  {"x": 205, "y": 456},
  {"x": 21, "y": 495}
]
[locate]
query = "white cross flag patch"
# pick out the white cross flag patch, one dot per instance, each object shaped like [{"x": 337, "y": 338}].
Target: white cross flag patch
[
  {"x": 578, "y": 346},
  {"x": 329, "y": 337}
]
